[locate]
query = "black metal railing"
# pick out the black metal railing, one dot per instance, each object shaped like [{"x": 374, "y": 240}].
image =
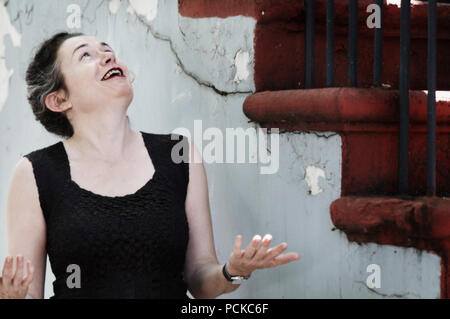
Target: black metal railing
[
  {"x": 378, "y": 48},
  {"x": 377, "y": 74},
  {"x": 309, "y": 6},
  {"x": 330, "y": 43},
  {"x": 403, "y": 133},
  {"x": 353, "y": 42},
  {"x": 431, "y": 105}
]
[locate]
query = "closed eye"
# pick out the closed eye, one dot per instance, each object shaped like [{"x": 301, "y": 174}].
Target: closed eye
[
  {"x": 86, "y": 53},
  {"x": 82, "y": 56}
]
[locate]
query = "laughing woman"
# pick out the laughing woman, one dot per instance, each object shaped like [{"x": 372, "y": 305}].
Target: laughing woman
[{"x": 116, "y": 215}]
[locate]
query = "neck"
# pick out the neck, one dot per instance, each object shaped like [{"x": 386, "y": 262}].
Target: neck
[{"x": 108, "y": 141}]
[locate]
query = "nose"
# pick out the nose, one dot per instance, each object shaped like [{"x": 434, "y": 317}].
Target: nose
[{"x": 107, "y": 57}]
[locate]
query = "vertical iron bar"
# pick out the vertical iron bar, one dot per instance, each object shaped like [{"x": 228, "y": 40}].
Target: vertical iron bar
[
  {"x": 352, "y": 41},
  {"x": 309, "y": 81},
  {"x": 431, "y": 111},
  {"x": 378, "y": 48},
  {"x": 404, "y": 97},
  {"x": 330, "y": 43}
]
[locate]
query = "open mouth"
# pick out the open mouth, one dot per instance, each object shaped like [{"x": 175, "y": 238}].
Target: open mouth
[{"x": 113, "y": 73}]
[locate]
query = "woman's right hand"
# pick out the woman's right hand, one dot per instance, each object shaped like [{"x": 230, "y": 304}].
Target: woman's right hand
[{"x": 14, "y": 283}]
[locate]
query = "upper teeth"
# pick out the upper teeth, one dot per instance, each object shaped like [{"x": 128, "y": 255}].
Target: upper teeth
[{"x": 108, "y": 75}]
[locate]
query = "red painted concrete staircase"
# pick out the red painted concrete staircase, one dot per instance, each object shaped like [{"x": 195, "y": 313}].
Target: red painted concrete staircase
[{"x": 366, "y": 118}]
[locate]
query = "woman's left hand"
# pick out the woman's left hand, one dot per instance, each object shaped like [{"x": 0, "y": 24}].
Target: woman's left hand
[{"x": 244, "y": 262}]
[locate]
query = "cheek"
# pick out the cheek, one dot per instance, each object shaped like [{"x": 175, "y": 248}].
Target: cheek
[
  {"x": 81, "y": 76},
  {"x": 83, "y": 85}
]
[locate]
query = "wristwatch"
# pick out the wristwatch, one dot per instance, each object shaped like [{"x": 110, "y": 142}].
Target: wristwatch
[{"x": 235, "y": 280}]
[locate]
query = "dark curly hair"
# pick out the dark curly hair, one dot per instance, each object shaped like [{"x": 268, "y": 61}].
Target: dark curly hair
[{"x": 44, "y": 76}]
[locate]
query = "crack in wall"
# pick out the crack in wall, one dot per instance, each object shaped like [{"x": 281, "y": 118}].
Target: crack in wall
[
  {"x": 395, "y": 295},
  {"x": 95, "y": 11},
  {"x": 192, "y": 75},
  {"x": 28, "y": 11},
  {"x": 316, "y": 133},
  {"x": 20, "y": 13},
  {"x": 327, "y": 136}
]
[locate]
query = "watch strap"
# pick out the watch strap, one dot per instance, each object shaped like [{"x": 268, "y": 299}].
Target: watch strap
[{"x": 233, "y": 278}]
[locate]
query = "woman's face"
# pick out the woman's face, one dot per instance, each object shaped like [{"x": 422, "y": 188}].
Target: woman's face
[{"x": 84, "y": 63}]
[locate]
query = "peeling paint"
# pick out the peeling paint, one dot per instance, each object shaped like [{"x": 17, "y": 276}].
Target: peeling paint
[
  {"x": 394, "y": 2},
  {"x": 6, "y": 28},
  {"x": 179, "y": 62},
  {"x": 145, "y": 8},
  {"x": 241, "y": 63},
  {"x": 114, "y": 6},
  {"x": 312, "y": 175}
]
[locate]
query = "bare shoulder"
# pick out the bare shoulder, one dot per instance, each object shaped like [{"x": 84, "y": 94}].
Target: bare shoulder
[
  {"x": 23, "y": 174},
  {"x": 23, "y": 192},
  {"x": 23, "y": 168}
]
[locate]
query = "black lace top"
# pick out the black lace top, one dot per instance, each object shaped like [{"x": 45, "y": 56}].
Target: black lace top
[{"x": 130, "y": 246}]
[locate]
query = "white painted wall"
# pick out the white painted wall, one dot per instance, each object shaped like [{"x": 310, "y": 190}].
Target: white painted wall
[{"x": 181, "y": 65}]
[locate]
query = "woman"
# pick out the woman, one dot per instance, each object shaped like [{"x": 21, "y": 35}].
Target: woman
[{"x": 116, "y": 215}]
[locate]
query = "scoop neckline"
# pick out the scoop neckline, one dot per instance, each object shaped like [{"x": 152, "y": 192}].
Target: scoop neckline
[{"x": 139, "y": 190}]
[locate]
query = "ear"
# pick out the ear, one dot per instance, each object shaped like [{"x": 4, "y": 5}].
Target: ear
[{"x": 57, "y": 101}]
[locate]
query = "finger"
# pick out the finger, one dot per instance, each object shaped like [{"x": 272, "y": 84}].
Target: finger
[
  {"x": 275, "y": 251},
  {"x": 284, "y": 259},
  {"x": 30, "y": 275},
  {"x": 251, "y": 248},
  {"x": 19, "y": 271},
  {"x": 7, "y": 273},
  {"x": 238, "y": 245},
  {"x": 262, "y": 250}
]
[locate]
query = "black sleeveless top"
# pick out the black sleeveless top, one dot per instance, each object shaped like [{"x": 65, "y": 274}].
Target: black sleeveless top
[{"x": 130, "y": 246}]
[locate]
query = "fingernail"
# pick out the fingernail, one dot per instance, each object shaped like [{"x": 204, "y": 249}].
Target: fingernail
[{"x": 257, "y": 237}]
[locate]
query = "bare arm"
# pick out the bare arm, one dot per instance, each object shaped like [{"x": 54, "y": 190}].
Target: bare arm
[
  {"x": 203, "y": 273},
  {"x": 25, "y": 225}
]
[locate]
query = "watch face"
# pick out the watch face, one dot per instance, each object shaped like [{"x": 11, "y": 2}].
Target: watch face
[{"x": 237, "y": 281}]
